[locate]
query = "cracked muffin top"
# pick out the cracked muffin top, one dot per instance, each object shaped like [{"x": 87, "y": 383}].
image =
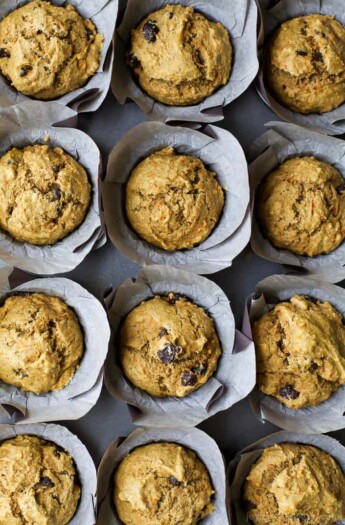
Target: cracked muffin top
[
  {"x": 168, "y": 346},
  {"x": 161, "y": 484},
  {"x": 292, "y": 484},
  {"x": 47, "y": 51},
  {"x": 300, "y": 351},
  {"x": 305, "y": 64},
  {"x": 39, "y": 483},
  {"x": 301, "y": 206},
  {"x": 179, "y": 56},
  {"x": 173, "y": 201},
  {"x": 41, "y": 342},
  {"x": 44, "y": 193}
]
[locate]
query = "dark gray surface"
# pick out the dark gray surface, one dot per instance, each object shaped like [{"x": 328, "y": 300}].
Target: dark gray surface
[{"x": 236, "y": 427}]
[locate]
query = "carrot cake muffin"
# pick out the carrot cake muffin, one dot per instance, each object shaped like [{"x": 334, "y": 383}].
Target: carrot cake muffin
[
  {"x": 47, "y": 50},
  {"x": 179, "y": 56}
]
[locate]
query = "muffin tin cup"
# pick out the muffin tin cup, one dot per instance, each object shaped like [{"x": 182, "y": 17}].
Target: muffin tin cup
[
  {"x": 240, "y": 466},
  {"x": 281, "y": 142},
  {"x": 89, "y": 97},
  {"x": 234, "y": 377},
  {"x": 331, "y": 122},
  {"x": 82, "y": 392},
  {"x": 221, "y": 153},
  {"x": 328, "y": 416},
  {"x": 194, "y": 439},
  {"x": 240, "y": 21},
  {"x": 31, "y": 123},
  {"x": 86, "y": 510}
]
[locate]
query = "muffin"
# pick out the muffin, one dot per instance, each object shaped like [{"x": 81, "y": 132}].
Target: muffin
[
  {"x": 161, "y": 484},
  {"x": 180, "y": 57},
  {"x": 300, "y": 351},
  {"x": 44, "y": 194},
  {"x": 305, "y": 64},
  {"x": 39, "y": 483},
  {"x": 292, "y": 484},
  {"x": 47, "y": 51},
  {"x": 168, "y": 346},
  {"x": 173, "y": 201},
  {"x": 41, "y": 342},
  {"x": 301, "y": 206}
]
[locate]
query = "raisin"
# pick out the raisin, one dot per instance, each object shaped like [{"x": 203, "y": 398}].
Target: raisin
[
  {"x": 301, "y": 517},
  {"x": 313, "y": 367},
  {"x": 188, "y": 379},
  {"x": 133, "y": 61},
  {"x": 39, "y": 32},
  {"x": 317, "y": 56},
  {"x": 288, "y": 392},
  {"x": 4, "y": 53},
  {"x": 57, "y": 193},
  {"x": 24, "y": 70},
  {"x": 301, "y": 53},
  {"x": 169, "y": 353},
  {"x": 341, "y": 188},
  {"x": 174, "y": 481},
  {"x": 200, "y": 369},
  {"x": 150, "y": 30},
  {"x": 171, "y": 15},
  {"x": 163, "y": 332},
  {"x": 46, "y": 482}
]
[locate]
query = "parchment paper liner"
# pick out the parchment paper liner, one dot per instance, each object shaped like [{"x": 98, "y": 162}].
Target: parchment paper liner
[
  {"x": 103, "y": 14},
  {"x": 332, "y": 122},
  {"x": 234, "y": 377},
  {"x": 240, "y": 21},
  {"x": 221, "y": 153},
  {"x": 326, "y": 417},
  {"x": 204, "y": 446},
  {"x": 240, "y": 466},
  {"x": 86, "y": 510},
  {"x": 281, "y": 142},
  {"x": 81, "y": 394},
  {"x": 32, "y": 122}
]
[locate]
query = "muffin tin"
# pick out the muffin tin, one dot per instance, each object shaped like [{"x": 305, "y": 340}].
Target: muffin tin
[{"x": 102, "y": 271}]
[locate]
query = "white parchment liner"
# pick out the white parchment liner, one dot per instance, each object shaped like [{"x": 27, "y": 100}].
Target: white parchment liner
[
  {"x": 282, "y": 142},
  {"x": 82, "y": 393},
  {"x": 103, "y": 14},
  {"x": 86, "y": 510},
  {"x": 205, "y": 447},
  {"x": 332, "y": 122},
  {"x": 326, "y": 417},
  {"x": 221, "y": 153},
  {"x": 234, "y": 377},
  {"x": 31, "y": 123},
  {"x": 240, "y": 19},
  {"x": 240, "y": 466}
]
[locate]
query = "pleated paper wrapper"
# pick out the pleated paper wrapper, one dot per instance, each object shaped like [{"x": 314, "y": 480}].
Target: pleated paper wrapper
[
  {"x": 241, "y": 22},
  {"x": 205, "y": 447},
  {"x": 31, "y": 123},
  {"x": 240, "y": 466},
  {"x": 86, "y": 510},
  {"x": 89, "y": 97},
  {"x": 81, "y": 394},
  {"x": 221, "y": 153},
  {"x": 331, "y": 122},
  {"x": 235, "y": 374},
  {"x": 328, "y": 416},
  {"x": 281, "y": 142}
]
